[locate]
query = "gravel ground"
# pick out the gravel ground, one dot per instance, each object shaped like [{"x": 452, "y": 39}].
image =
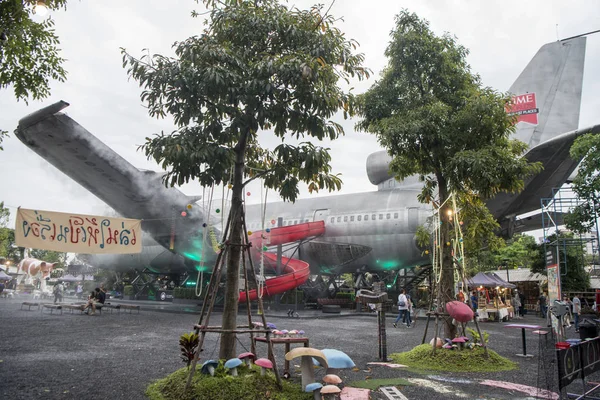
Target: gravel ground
[{"x": 113, "y": 356}]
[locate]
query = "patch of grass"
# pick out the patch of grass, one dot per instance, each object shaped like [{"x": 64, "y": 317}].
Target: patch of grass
[
  {"x": 249, "y": 385},
  {"x": 375, "y": 384},
  {"x": 467, "y": 360}
]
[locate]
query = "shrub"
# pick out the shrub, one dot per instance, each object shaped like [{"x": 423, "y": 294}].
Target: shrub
[
  {"x": 188, "y": 344},
  {"x": 128, "y": 290},
  {"x": 476, "y": 338}
]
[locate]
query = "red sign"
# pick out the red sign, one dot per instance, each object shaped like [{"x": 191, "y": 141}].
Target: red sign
[{"x": 525, "y": 108}]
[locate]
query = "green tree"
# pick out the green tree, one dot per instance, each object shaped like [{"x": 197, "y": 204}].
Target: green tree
[
  {"x": 28, "y": 50},
  {"x": 572, "y": 261},
  {"x": 586, "y": 185},
  {"x": 518, "y": 252},
  {"x": 50, "y": 256},
  {"x": 436, "y": 120},
  {"x": 8, "y": 249},
  {"x": 259, "y": 68}
]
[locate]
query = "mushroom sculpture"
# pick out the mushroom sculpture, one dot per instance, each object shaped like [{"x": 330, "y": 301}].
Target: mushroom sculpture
[
  {"x": 264, "y": 365},
  {"x": 332, "y": 379},
  {"x": 247, "y": 358},
  {"x": 330, "y": 392},
  {"x": 315, "y": 388},
  {"x": 460, "y": 341},
  {"x": 335, "y": 360},
  {"x": 209, "y": 367},
  {"x": 306, "y": 355},
  {"x": 232, "y": 365},
  {"x": 437, "y": 342}
]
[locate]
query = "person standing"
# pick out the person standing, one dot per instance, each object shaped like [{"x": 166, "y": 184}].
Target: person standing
[
  {"x": 474, "y": 304},
  {"x": 576, "y": 311},
  {"x": 522, "y": 301},
  {"x": 79, "y": 290},
  {"x": 58, "y": 292},
  {"x": 543, "y": 304},
  {"x": 402, "y": 307},
  {"x": 516, "y": 305}
]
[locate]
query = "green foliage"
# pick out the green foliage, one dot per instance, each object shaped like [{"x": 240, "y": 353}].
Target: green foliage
[
  {"x": 475, "y": 335},
  {"x": 128, "y": 290},
  {"x": 586, "y": 185},
  {"x": 521, "y": 251},
  {"x": 423, "y": 237},
  {"x": 467, "y": 360},
  {"x": 188, "y": 344},
  {"x": 258, "y": 67},
  {"x": 572, "y": 258},
  {"x": 437, "y": 121},
  {"x": 50, "y": 256},
  {"x": 4, "y": 215},
  {"x": 249, "y": 385},
  {"x": 184, "y": 293},
  {"x": 28, "y": 51}
]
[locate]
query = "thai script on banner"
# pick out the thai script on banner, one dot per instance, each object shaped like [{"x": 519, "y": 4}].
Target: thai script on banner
[{"x": 73, "y": 233}]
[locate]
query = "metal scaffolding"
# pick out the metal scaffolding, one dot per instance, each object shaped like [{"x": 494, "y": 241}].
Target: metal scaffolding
[{"x": 554, "y": 210}]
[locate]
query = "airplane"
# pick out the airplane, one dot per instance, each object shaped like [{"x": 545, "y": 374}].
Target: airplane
[{"x": 356, "y": 233}]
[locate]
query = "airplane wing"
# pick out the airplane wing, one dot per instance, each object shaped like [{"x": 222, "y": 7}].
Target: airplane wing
[
  {"x": 558, "y": 166},
  {"x": 95, "y": 166}
]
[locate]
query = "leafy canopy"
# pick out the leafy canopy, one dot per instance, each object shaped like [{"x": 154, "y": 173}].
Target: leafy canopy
[
  {"x": 586, "y": 185},
  {"x": 259, "y": 66},
  {"x": 29, "y": 50},
  {"x": 438, "y": 121}
]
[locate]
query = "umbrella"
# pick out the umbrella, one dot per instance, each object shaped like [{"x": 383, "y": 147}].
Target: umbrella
[{"x": 4, "y": 276}]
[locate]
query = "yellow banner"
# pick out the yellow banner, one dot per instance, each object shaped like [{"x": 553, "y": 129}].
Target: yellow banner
[{"x": 73, "y": 233}]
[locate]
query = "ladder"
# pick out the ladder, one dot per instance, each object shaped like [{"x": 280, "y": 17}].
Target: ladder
[{"x": 392, "y": 393}]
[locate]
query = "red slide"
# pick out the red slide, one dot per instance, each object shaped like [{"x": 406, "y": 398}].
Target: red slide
[{"x": 296, "y": 272}]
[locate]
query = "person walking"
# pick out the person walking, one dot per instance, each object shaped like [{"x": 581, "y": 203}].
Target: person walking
[
  {"x": 402, "y": 307},
  {"x": 407, "y": 319},
  {"x": 79, "y": 290},
  {"x": 576, "y": 311}
]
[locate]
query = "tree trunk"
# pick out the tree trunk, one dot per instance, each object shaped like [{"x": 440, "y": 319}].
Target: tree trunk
[
  {"x": 230, "y": 310},
  {"x": 446, "y": 289}
]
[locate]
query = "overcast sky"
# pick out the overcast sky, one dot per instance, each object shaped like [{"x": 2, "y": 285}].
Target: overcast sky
[{"x": 502, "y": 37}]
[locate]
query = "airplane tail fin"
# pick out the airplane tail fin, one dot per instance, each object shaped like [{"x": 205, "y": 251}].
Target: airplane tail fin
[{"x": 547, "y": 94}]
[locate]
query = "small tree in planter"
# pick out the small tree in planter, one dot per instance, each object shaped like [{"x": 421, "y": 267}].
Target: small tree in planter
[{"x": 128, "y": 292}]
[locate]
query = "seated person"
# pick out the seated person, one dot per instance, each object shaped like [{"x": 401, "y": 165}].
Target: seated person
[{"x": 97, "y": 296}]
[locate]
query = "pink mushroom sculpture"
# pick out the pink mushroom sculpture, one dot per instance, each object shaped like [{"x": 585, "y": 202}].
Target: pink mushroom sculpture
[{"x": 264, "y": 365}]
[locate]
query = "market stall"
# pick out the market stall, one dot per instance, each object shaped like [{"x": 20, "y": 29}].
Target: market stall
[{"x": 493, "y": 296}]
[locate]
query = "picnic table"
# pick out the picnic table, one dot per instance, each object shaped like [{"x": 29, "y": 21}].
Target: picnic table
[{"x": 523, "y": 327}]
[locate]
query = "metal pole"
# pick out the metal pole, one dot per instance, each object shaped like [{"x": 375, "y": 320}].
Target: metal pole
[{"x": 279, "y": 262}]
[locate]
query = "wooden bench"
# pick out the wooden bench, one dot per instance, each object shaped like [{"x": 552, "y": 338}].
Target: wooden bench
[
  {"x": 52, "y": 307},
  {"x": 30, "y": 304}
]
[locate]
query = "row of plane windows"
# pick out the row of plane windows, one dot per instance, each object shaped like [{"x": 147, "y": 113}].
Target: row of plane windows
[
  {"x": 360, "y": 217},
  {"x": 333, "y": 220}
]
